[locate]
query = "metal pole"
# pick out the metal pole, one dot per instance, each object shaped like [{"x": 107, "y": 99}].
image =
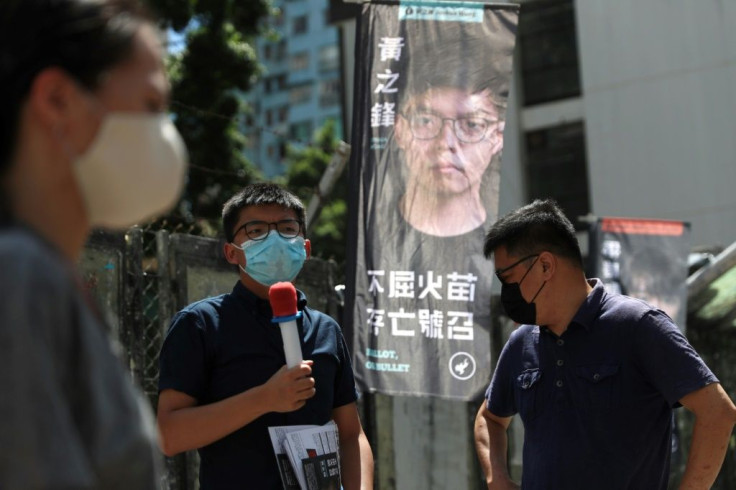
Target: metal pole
[{"x": 328, "y": 180}]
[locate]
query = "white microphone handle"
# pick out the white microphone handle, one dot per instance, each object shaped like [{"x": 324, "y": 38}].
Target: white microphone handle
[{"x": 292, "y": 346}]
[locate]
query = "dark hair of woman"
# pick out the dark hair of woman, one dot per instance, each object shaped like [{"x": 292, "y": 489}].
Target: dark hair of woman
[{"x": 83, "y": 37}]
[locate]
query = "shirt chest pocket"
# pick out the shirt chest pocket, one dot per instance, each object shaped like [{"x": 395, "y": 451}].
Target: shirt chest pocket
[
  {"x": 599, "y": 384},
  {"x": 528, "y": 394}
]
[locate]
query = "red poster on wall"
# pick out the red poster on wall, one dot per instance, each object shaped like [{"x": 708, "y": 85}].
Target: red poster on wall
[{"x": 646, "y": 259}]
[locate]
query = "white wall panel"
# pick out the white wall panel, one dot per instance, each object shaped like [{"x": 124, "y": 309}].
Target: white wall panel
[{"x": 659, "y": 92}]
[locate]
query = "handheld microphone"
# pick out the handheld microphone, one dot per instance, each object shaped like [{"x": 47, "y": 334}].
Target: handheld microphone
[{"x": 282, "y": 297}]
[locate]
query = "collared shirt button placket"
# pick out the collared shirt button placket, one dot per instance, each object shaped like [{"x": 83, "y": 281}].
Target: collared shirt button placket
[{"x": 560, "y": 362}]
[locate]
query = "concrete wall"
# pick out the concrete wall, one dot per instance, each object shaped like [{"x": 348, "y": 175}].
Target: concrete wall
[{"x": 659, "y": 95}]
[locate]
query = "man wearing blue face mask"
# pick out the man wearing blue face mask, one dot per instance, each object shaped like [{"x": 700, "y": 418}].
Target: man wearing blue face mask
[
  {"x": 593, "y": 375},
  {"x": 223, "y": 379}
]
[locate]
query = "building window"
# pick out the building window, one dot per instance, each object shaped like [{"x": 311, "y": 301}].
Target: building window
[
  {"x": 269, "y": 117},
  {"x": 301, "y": 131},
  {"x": 281, "y": 81},
  {"x": 267, "y": 51},
  {"x": 300, "y": 24},
  {"x": 299, "y": 61},
  {"x": 283, "y": 113},
  {"x": 275, "y": 83},
  {"x": 557, "y": 168},
  {"x": 549, "y": 51},
  {"x": 281, "y": 50},
  {"x": 300, "y": 94},
  {"x": 329, "y": 58},
  {"x": 329, "y": 92}
]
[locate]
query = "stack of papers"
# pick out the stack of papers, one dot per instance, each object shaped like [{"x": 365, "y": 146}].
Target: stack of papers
[{"x": 308, "y": 456}]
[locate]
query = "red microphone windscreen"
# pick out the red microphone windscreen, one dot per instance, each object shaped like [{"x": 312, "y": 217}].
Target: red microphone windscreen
[{"x": 282, "y": 297}]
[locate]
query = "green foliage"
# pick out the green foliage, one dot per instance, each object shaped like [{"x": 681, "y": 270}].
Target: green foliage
[
  {"x": 217, "y": 64},
  {"x": 306, "y": 165}
]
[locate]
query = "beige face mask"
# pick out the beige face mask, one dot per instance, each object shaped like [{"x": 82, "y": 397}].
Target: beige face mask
[{"x": 134, "y": 170}]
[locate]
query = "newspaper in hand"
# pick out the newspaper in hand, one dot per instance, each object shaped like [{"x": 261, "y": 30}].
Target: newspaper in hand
[{"x": 307, "y": 456}]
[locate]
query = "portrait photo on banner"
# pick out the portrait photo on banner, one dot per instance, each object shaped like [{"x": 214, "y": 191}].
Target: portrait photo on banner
[{"x": 431, "y": 96}]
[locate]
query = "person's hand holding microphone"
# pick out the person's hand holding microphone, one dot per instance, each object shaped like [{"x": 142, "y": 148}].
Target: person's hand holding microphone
[{"x": 291, "y": 386}]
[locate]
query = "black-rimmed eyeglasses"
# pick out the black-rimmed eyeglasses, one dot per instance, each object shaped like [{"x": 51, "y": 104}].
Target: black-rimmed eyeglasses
[
  {"x": 468, "y": 129},
  {"x": 499, "y": 272},
  {"x": 258, "y": 230}
]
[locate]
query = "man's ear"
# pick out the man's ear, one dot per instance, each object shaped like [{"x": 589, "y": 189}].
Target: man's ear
[
  {"x": 402, "y": 133},
  {"x": 497, "y": 138},
  {"x": 308, "y": 247},
  {"x": 232, "y": 253},
  {"x": 549, "y": 264}
]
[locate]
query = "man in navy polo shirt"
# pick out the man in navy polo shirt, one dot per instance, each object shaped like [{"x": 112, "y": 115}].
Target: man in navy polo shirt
[
  {"x": 593, "y": 375},
  {"x": 223, "y": 379}
]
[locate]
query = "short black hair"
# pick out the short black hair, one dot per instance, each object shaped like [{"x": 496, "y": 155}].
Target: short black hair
[
  {"x": 259, "y": 194},
  {"x": 439, "y": 52},
  {"x": 85, "y": 38},
  {"x": 536, "y": 227}
]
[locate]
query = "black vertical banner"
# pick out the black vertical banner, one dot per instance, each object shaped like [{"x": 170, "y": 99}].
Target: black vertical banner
[
  {"x": 645, "y": 259},
  {"x": 432, "y": 82}
]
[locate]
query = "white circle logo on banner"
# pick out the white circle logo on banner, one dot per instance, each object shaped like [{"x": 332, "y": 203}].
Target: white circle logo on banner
[{"x": 462, "y": 366}]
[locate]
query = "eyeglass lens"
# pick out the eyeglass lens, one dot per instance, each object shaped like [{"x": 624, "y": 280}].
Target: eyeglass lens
[
  {"x": 466, "y": 129},
  {"x": 258, "y": 230}
]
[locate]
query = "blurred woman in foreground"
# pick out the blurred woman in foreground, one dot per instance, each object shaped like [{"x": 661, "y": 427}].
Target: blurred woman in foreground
[{"x": 84, "y": 142}]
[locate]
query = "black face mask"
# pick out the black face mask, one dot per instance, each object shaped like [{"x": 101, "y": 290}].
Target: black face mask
[{"x": 514, "y": 303}]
